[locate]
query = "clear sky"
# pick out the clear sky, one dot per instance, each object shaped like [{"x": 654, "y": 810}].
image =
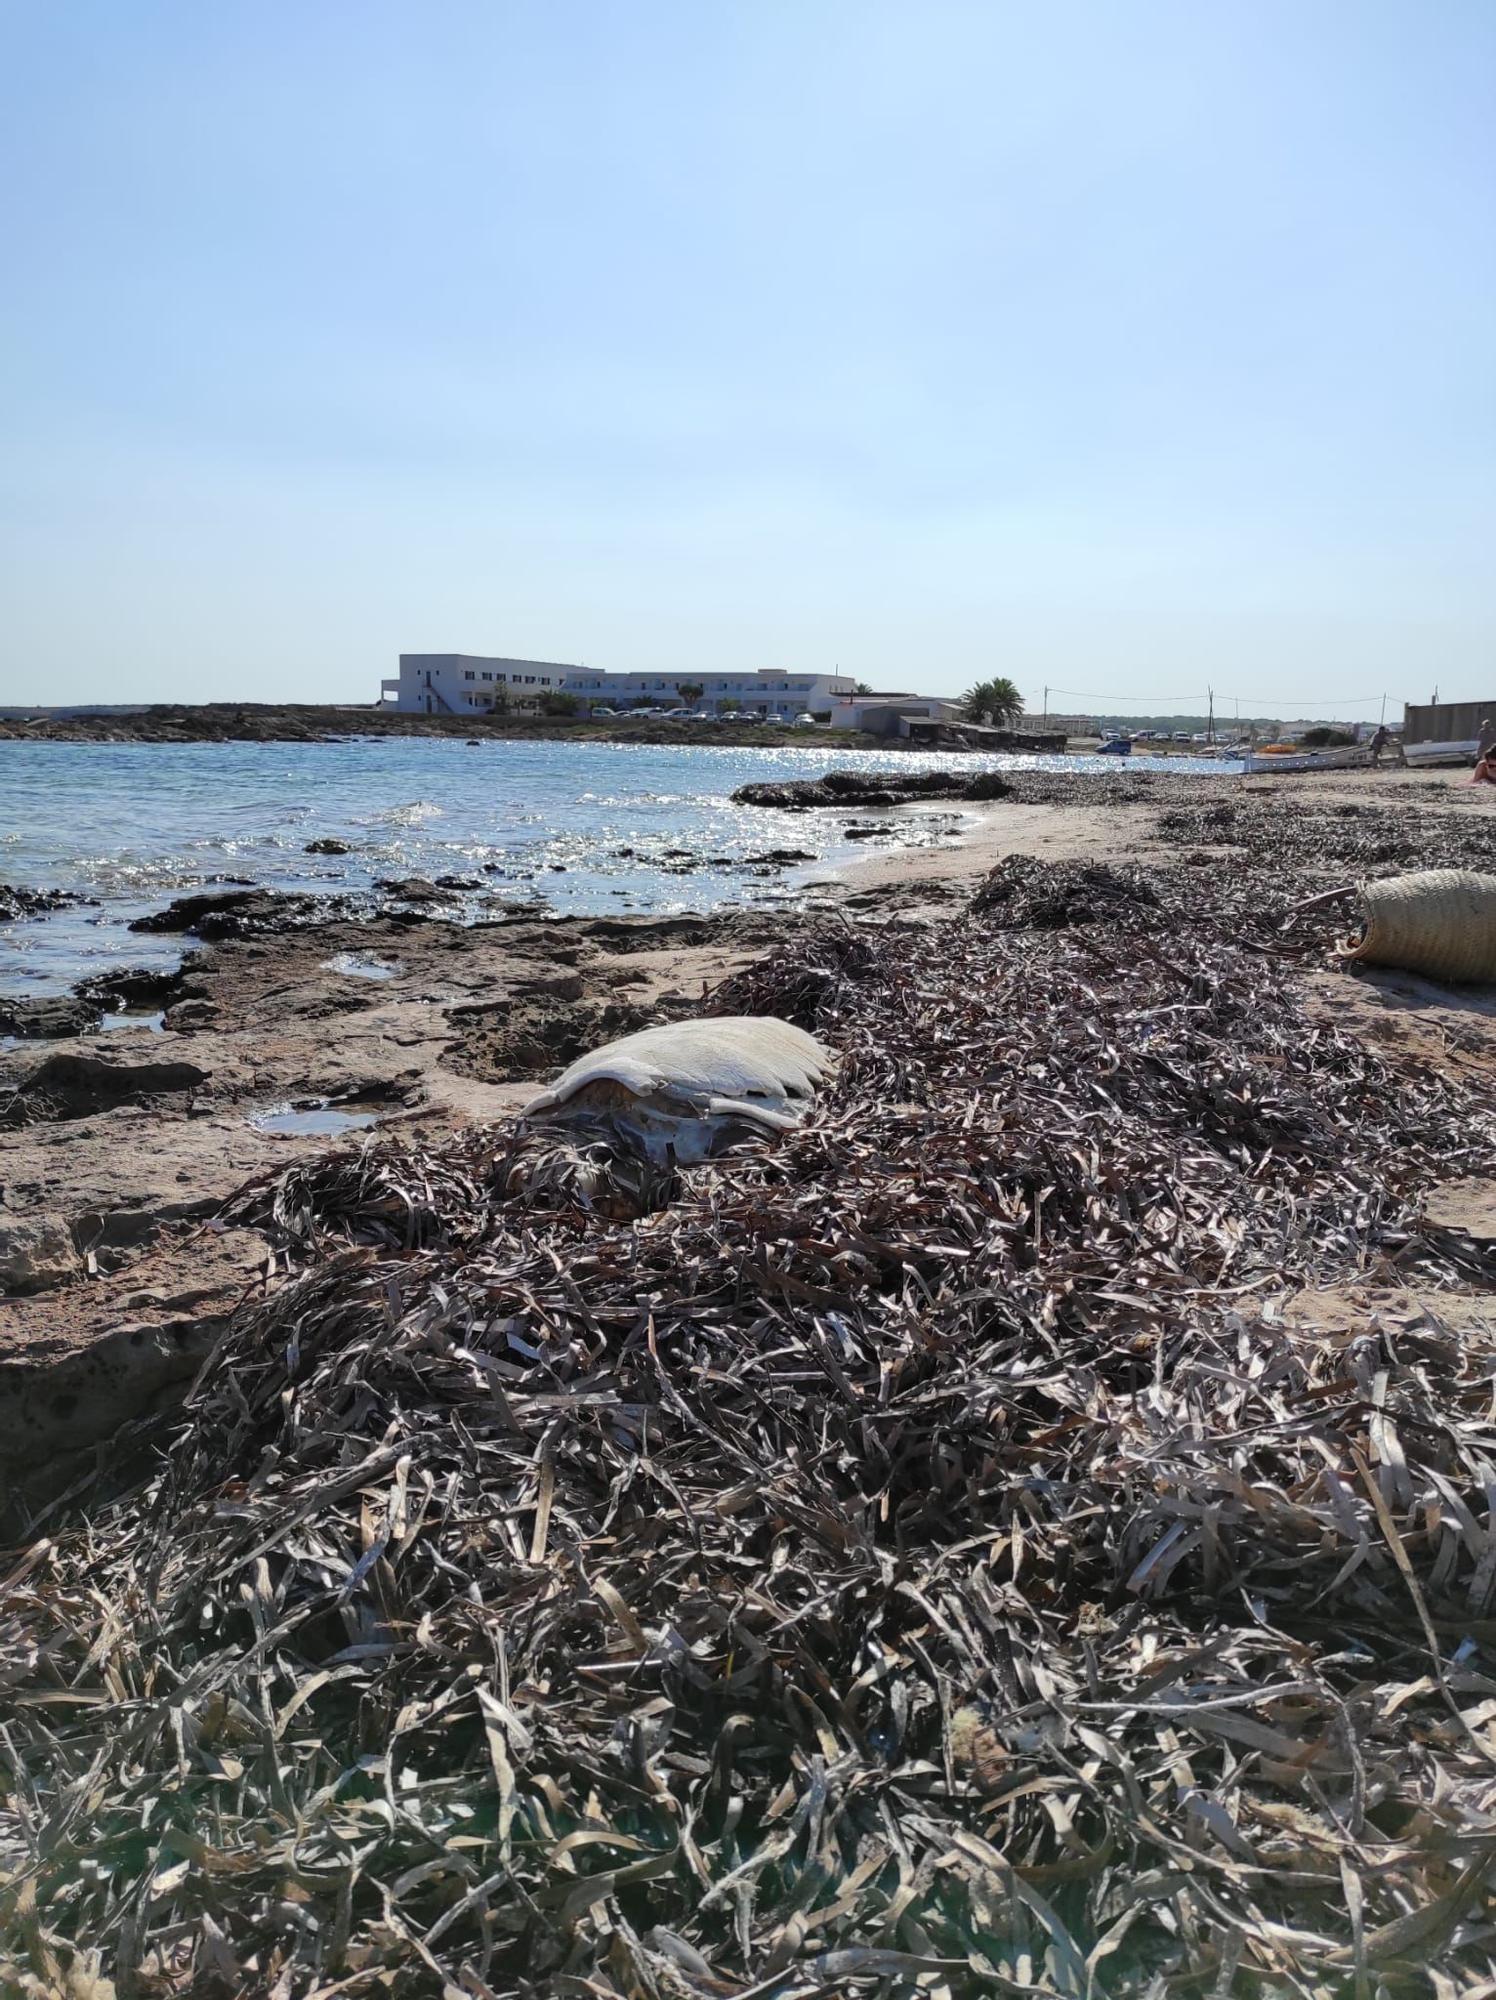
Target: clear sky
[{"x": 1121, "y": 347}]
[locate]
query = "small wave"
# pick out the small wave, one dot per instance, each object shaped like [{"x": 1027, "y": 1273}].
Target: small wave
[{"x": 414, "y": 814}]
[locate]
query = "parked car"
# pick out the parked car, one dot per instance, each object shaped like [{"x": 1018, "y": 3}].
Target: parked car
[{"x": 805, "y": 722}]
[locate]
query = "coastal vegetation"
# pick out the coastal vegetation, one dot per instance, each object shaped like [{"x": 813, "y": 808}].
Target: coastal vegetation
[{"x": 996, "y": 702}]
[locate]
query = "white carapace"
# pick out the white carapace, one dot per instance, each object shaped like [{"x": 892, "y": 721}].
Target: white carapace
[{"x": 684, "y": 1090}]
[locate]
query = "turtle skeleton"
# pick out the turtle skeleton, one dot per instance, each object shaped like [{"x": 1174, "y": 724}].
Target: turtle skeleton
[{"x": 680, "y": 1092}]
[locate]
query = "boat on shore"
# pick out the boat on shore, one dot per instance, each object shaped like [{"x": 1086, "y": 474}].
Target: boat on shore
[
  {"x": 1464, "y": 752},
  {"x": 1353, "y": 757}
]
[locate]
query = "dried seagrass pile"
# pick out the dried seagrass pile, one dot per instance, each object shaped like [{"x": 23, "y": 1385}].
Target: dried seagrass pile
[
  {"x": 1351, "y": 838},
  {"x": 920, "y": 1559}
]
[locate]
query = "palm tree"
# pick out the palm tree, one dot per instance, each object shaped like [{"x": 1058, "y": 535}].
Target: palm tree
[
  {"x": 996, "y": 701},
  {"x": 690, "y": 692}
]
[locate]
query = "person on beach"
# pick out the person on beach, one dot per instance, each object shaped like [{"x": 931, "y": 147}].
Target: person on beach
[
  {"x": 1379, "y": 742},
  {"x": 1485, "y": 755}
]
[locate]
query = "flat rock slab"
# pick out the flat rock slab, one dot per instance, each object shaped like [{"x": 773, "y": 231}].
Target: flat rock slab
[
  {"x": 40, "y": 1020},
  {"x": 78, "y": 1084},
  {"x": 83, "y": 1359},
  {"x": 1469, "y": 1206}
]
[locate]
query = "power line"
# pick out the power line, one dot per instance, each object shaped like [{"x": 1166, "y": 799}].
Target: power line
[
  {"x": 1349, "y": 701},
  {"x": 1162, "y": 702}
]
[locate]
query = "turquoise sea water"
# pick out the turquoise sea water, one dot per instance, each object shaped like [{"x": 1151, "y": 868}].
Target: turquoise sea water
[{"x": 135, "y": 824}]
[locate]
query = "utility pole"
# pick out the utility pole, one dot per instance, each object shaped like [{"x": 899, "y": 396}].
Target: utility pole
[
  {"x": 1210, "y": 720},
  {"x": 1046, "y": 704},
  {"x": 1384, "y": 708}
]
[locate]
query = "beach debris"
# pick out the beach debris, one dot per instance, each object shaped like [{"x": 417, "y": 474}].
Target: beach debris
[
  {"x": 925, "y": 1557},
  {"x": 1440, "y": 922},
  {"x": 684, "y": 1090},
  {"x": 1366, "y": 835},
  {"x": 1027, "y": 893}
]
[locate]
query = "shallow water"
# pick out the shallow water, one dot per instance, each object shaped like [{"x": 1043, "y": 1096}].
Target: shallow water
[
  {"x": 354, "y": 965},
  {"x": 586, "y": 826},
  {"x": 315, "y": 1120}
]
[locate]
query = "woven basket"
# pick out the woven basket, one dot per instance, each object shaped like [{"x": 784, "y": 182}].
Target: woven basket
[{"x": 1441, "y": 923}]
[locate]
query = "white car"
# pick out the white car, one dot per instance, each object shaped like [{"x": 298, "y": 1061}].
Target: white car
[{"x": 805, "y": 722}]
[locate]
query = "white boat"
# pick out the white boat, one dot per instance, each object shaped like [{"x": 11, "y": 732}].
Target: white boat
[
  {"x": 1352, "y": 758},
  {"x": 1442, "y": 753}
]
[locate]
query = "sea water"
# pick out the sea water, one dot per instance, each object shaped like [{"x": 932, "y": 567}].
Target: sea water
[{"x": 583, "y": 827}]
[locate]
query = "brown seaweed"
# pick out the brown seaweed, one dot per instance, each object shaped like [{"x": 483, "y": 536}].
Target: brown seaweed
[{"x": 920, "y": 1559}]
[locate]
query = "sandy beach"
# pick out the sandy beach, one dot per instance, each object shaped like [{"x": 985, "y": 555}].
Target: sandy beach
[
  {"x": 120, "y": 1146},
  {"x": 1099, "y": 831},
  {"x": 1063, "y": 1415}
]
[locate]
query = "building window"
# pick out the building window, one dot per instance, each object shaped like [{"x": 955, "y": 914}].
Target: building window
[
  {"x": 468, "y": 675},
  {"x": 487, "y": 677},
  {"x": 529, "y": 680}
]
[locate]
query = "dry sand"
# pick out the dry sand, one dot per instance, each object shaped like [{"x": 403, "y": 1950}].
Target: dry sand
[{"x": 990, "y": 833}]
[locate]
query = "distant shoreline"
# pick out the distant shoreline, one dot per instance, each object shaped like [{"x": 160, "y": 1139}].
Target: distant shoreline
[{"x": 307, "y": 722}]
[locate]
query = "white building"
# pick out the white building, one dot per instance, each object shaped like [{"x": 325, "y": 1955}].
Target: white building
[
  {"x": 466, "y": 684},
  {"x": 460, "y": 684},
  {"x": 892, "y": 714}
]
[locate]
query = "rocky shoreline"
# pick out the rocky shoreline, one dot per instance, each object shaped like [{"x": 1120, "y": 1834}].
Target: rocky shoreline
[
  {"x": 132, "y": 1108},
  {"x": 284, "y": 1031},
  {"x": 1101, "y": 1364},
  {"x": 305, "y": 722}
]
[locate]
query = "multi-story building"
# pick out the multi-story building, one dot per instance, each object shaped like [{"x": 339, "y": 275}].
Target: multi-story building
[
  {"x": 463, "y": 685},
  {"x": 466, "y": 684},
  {"x": 460, "y": 684}
]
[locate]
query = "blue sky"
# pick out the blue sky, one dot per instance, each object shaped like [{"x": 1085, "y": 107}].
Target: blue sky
[{"x": 1125, "y": 348}]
